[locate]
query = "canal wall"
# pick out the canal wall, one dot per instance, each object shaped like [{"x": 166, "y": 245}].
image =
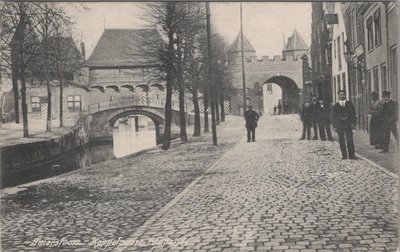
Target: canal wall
[{"x": 28, "y": 162}]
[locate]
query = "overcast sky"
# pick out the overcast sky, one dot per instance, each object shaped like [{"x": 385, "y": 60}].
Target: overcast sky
[{"x": 265, "y": 24}]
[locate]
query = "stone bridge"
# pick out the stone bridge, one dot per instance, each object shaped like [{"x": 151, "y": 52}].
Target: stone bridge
[{"x": 104, "y": 115}]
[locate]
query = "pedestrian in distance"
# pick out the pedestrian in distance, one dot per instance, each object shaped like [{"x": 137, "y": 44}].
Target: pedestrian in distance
[
  {"x": 344, "y": 117},
  {"x": 375, "y": 132},
  {"x": 390, "y": 117},
  {"x": 279, "y": 108},
  {"x": 275, "y": 109},
  {"x": 323, "y": 113},
  {"x": 314, "y": 117},
  {"x": 305, "y": 116},
  {"x": 251, "y": 117}
]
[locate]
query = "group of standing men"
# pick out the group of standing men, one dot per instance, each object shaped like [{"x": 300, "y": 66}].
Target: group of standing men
[
  {"x": 318, "y": 116},
  {"x": 383, "y": 121},
  {"x": 343, "y": 121}
]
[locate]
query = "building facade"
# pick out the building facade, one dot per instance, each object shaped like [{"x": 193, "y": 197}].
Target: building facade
[
  {"x": 321, "y": 37},
  {"x": 340, "y": 68}
]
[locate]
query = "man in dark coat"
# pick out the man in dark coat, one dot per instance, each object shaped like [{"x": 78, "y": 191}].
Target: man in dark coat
[
  {"x": 251, "y": 117},
  {"x": 323, "y": 114},
  {"x": 314, "y": 120},
  {"x": 344, "y": 116},
  {"x": 305, "y": 116},
  {"x": 279, "y": 108},
  {"x": 390, "y": 117}
]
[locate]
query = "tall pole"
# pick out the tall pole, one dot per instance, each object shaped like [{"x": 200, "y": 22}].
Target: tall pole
[
  {"x": 210, "y": 75},
  {"x": 243, "y": 73}
]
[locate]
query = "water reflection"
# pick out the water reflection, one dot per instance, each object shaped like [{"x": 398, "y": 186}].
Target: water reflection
[{"x": 133, "y": 134}]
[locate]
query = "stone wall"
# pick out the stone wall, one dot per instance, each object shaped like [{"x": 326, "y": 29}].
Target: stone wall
[{"x": 23, "y": 163}]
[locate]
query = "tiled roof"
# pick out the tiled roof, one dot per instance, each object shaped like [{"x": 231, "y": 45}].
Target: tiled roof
[
  {"x": 126, "y": 47},
  {"x": 236, "y": 46},
  {"x": 295, "y": 42}
]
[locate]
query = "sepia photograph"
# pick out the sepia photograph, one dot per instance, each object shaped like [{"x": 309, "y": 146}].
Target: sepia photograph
[{"x": 199, "y": 126}]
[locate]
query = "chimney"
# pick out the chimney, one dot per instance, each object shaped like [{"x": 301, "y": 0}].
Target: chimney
[{"x": 83, "y": 51}]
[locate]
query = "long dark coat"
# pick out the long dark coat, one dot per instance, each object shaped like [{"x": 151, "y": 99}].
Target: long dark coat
[{"x": 251, "y": 119}]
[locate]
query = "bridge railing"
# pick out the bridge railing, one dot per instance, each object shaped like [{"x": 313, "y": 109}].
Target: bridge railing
[{"x": 125, "y": 102}]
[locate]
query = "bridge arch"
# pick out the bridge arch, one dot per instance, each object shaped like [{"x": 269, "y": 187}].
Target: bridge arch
[
  {"x": 156, "y": 118},
  {"x": 290, "y": 92}
]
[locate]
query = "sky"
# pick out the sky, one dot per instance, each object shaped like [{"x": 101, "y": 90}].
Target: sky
[{"x": 264, "y": 24}]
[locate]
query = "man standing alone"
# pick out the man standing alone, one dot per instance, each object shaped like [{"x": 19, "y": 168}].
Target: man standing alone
[
  {"x": 390, "y": 117},
  {"x": 251, "y": 117},
  {"x": 344, "y": 117}
]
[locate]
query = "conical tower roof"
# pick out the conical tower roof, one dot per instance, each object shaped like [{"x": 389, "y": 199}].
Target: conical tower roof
[
  {"x": 236, "y": 46},
  {"x": 295, "y": 42}
]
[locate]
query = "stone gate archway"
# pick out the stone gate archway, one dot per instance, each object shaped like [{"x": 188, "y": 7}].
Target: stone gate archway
[{"x": 290, "y": 93}]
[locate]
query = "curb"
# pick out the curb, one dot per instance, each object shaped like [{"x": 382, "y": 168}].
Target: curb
[
  {"x": 379, "y": 167},
  {"x": 159, "y": 214}
]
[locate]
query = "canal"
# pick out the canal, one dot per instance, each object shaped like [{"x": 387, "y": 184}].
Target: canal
[{"x": 131, "y": 134}]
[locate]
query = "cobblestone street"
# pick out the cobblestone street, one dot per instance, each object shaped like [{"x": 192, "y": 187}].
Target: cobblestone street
[
  {"x": 281, "y": 194},
  {"x": 276, "y": 194}
]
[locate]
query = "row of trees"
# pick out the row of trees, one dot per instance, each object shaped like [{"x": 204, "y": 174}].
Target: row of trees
[
  {"x": 37, "y": 47},
  {"x": 193, "y": 60}
]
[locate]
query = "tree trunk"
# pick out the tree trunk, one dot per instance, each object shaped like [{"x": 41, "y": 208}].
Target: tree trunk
[
  {"x": 168, "y": 115},
  {"x": 181, "y": 95},
  {"x": 221, "y": 101},
  {"x": 24, "y": 105},
  {"x": 169, "y": 80},
  {"x": 48, "y": 121},
  {"x": 182, "y": 115},
  {"x": 197, "y": 126},
  {"x": 61, "y": 103},
  {"x": 16, "y": 93},
  {"x": 205, "y": 103},
  {"x": 216, "y": 107}
]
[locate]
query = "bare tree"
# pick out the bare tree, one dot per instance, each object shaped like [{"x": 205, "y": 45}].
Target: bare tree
[
  {"x": 20, "y": 22},
  {"x": 189, "y": 30},
  {"x": 166, "y": 16}
]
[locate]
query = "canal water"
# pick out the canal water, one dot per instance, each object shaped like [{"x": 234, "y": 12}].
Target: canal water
[{"x": 130, "y": 135}]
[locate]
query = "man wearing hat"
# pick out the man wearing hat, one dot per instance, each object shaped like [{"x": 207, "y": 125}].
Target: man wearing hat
[
  {"x": 344, "y": 117},
  {"x": 251, "y": 117},
  {"x": 390, "y": 117}
]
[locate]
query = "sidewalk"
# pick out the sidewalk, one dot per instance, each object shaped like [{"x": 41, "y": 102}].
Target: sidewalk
[
  {"x": 12, "y": 133},
  {"x": 390, "y": 160}
]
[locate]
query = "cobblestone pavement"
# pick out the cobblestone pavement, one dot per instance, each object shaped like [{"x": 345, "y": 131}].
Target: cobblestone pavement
[
  {"x": 278, "y": 194},
  {"x": 107, "y": 200}
]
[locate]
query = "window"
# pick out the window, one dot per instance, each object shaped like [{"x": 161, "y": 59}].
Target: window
[
  {"x": 370, "y": 34},
  {"x": 74, "y": 103},
  {"x": 338, "y": 83},
  {"x": 339, "y": 55},
  {"x": 376, "y": 79},
  {"x": 35, "y": 103},
  {"x": 393, "y": 69},
  {"x": 334, "y": 48},
  {"x": 344, "y": 81},
  {"x": 377, "y": 24},
  {"x": 384, "y": 77}
]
